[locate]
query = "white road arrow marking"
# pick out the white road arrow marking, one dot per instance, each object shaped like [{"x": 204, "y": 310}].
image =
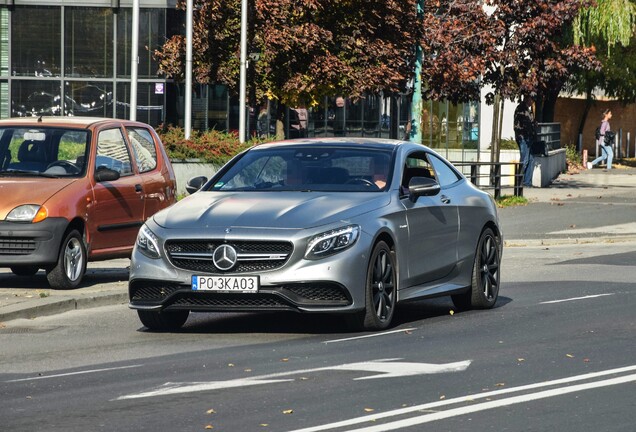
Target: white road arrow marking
[
  {"x": 385, "y": 368},
  {"x": 400, "y": 369}
]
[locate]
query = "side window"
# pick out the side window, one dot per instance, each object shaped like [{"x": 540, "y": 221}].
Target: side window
[
  {"x": 445, "y": 174},
  {"x": 112, "y": 152},
  {"x": 72, "y": 148},
  {"x": 415, "y": 165},
  {"x": 144, "y": 149}
]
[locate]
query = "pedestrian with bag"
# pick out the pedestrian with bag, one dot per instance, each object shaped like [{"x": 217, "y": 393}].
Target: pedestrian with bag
[{"x": 605, "y": 139}]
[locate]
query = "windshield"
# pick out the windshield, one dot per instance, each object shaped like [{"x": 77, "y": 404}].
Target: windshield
[
  {"x": 308, "y": 168},
  {"x": 50, "y": 152}
]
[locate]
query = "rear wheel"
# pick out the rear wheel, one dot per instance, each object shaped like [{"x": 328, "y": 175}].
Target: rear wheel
[
  {"x": 484, "y": 288},
  {"x": 163, "y": 321},
  {"x": 381, "y": 288},
  {"x": 71, "y": 263},
  {"x": 24, "y": 270}
]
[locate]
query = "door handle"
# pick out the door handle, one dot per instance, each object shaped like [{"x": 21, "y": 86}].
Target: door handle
[
  {"x": 138, "y": 188},
  {"x": 445, "y": 199}
]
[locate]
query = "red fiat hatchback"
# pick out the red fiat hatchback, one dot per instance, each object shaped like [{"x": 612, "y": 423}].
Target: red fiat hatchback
[{"x": 76, "y": 189}]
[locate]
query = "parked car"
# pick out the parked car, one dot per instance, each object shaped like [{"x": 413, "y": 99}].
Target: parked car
[
  {"x": 347, "y": 226},
  {"x": 76, "y": 189}
]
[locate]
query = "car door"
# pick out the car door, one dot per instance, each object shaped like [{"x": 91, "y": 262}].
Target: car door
[
  {"x": 157, "y": 191},
  {"x": 118, "y": 208},
  {"x": 433, "y": 223}
]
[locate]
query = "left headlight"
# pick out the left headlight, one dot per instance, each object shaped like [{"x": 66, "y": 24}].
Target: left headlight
[
  {"x": 331, "y": 242},
  {"x": 28, "y": 213},
  {"x": 148, "y": 243}
]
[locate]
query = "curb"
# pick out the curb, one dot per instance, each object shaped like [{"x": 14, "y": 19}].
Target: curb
[
  {"x": 52, "y": 306},
  {"x": 569, "y": 241}
]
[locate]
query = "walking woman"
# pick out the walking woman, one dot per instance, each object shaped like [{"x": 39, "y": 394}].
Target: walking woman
[{"x": 605, "y": 144}]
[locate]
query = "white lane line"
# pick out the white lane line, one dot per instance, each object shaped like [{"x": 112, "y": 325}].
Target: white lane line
[
  {"x": 464, "y": 399},
  {"x": 427, "y": 418},
  {"x": 74, "y": 373},
  {"x": 576, "y": 298},
  {"x": 369, "y": 336}
]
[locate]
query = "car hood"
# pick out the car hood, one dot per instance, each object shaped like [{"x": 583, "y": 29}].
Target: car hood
[
  {"x": 268, "y": 209},
  {"x": 38, "y": 190}
]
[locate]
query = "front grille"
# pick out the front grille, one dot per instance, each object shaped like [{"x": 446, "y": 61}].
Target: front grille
[
  {"x": 16, "y": 246},
  {"x": 253, "y": 256},
  {"x": 324, "y": 292},
  {"x": 152, "y": 290},
  {"x": 250, "y": 301}
]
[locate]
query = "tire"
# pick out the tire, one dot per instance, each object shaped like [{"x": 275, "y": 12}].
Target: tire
[
  {"x": 163, "y": 321},
  {"x": 24, "y": 270},
  {"x": 381, "y": 289},
  {"x": 484, "y": 288},
  {"x": 71, "y": 263}
]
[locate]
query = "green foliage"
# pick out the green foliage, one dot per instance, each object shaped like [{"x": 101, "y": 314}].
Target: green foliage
[
  {"x": 208, "y": 146},
  {"x": 509, "y": 144},
  {"x": 572, "y": 156},
  {"x": 511, "y": 201}
]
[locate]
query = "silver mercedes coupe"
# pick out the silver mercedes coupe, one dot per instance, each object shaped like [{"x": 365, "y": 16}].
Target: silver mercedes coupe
[{"x": 344, "y": 226}]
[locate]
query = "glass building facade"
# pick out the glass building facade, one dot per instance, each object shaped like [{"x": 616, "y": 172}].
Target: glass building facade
[{"x": 74, "y": 59}]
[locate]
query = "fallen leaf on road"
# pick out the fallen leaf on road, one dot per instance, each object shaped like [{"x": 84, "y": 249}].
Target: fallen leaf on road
[
  {"x": 210, "y": 411},
  {"x": 500, "y": 384},
  {"x": 289, "y": 411},
  {"x": 521, "y": 359},
  {"x": 248, "y": 370},
  {"x": 369, "y": 409},
  {"x": 442, "y": 397},
  {"x": 452, "y": 312},
  {"x": 586, "y": 360},
  {"x": 264, "y": 424},
  {"x": 230, "y": 365},
  {"x": 569, "y": 356},
  {"x": 209, "y": 427},
  {"x": 284, "y": 360},
  {"x": 573, "y": 226}
]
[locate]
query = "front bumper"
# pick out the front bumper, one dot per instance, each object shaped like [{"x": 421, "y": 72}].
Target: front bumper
[
  {"x": 31, "y": 244},
  {"x": 310, "y": 296}
]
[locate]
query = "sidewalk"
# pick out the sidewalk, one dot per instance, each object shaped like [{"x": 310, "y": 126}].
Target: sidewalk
[{"x": 592, "y": 206}]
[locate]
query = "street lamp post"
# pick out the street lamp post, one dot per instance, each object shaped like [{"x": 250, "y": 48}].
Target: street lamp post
[
  {"x": 416, "y": 103},
  {"x": 134, "y": 61},
  {"x": 187, "y": 121},
  {"x": 243, "y": 66}
]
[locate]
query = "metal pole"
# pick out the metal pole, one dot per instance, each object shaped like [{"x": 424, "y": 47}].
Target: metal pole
[
  {"x": 134, "y": 61},
  {"x": 187, "y": 121},
  {"x": 243, "y": 65}
]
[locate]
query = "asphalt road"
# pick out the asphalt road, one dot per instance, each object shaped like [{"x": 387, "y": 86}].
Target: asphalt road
[{"x": 557, "y": 353}]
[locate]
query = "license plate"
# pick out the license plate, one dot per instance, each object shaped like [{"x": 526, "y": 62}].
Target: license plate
[{"x": 236, "y": 284}]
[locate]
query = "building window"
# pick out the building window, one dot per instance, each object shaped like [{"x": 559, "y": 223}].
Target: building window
[
  {"x": 89, "y": 99},
  {"x": 36, "y": 41},
  {"x": 152, "y": 31},
  {"x": 88, "y": 42},
  {"x": 149, "y": 103},
  {"x": 36, "y": 98}
]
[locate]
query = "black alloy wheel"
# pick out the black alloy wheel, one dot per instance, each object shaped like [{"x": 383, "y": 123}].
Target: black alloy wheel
[
  {"x": 484, "y": 288},
  {"x": 381, "y": 288}
]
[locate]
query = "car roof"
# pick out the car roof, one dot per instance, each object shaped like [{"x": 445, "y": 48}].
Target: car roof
[
  {"x": 378, "y": 143},
  {"x": 59, "y": 121}
]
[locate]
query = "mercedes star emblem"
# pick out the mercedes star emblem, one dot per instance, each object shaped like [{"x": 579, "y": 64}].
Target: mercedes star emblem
[{"x": 224, "y": 257}]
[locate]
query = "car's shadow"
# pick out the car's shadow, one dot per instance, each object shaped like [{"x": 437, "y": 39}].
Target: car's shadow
[
  {"x": 407, "y": 314},
  {"x": 92, "y": 278}
]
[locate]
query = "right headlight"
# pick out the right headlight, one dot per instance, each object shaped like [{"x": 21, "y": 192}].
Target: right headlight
[
  {"x": 331, "y": 242},
  {"x": 148, "y": 243}
]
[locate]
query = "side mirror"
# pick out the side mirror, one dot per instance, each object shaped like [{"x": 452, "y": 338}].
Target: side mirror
[
  {"x": 104, "y": 174},
  {"x": 195, "y": 183},
  {"x": 423, "y": 186}
]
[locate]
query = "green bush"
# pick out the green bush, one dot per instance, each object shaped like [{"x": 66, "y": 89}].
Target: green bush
[
  {"x": 210, "y": 146},
  {"x": 509, "y": 144}
]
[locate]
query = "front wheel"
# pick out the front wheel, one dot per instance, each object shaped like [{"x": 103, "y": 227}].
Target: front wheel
[
  {"x": 71, "y": 263},
  {"x": 163, "y": 321},
  {"x": 381, "y": 288},
  {"x": 484, "y": 288}
]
